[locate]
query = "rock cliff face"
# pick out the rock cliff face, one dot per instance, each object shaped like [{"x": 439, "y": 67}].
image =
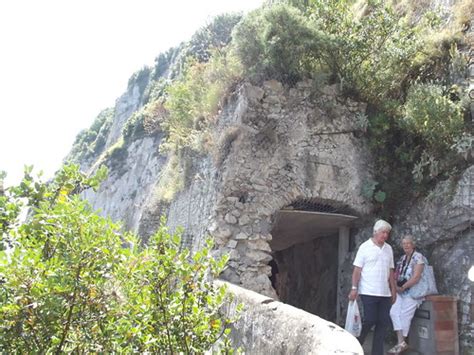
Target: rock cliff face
[
  {"x": 443, "y": 226},
  {"x": 281, "y": 150}
]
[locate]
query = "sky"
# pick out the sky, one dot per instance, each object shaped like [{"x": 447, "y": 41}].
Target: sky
[{"x": 63, "y": 61}]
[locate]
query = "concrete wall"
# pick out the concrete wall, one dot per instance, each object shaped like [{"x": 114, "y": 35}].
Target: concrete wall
[{"x": 270, "y": 327}]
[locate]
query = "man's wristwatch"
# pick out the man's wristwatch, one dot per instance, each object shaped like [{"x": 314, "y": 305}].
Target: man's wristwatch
[{"x": 354, "y": 288}]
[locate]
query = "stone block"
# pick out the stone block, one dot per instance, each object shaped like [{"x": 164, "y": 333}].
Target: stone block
[
  {"x": 232, "y": 244},
  {"x": 273, "y": 85},
  {"x": 272, "y": 100},
  {"x": 241, "y": 236},
  {"x": 229, "y": 218},
  {"x": 244, "y": 219},
  {"x": 260, "y": 188},
  {"x": 258, "y": 255},
  {"x": 259, "y": 245},
  {"x": 221, "y": 233},
  {"x": 253, "y": 93}
]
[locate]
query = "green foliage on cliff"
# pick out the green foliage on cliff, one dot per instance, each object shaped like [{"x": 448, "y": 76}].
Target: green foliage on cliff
[
  {"x": 200, "y": 70},
  {"x": 279, "y": 42},
  {"x": 91, "y": 142},
  {"x": 430, "y": 113},
  {"x": 70, "y": 281},
  {"x": 195, "y": 99},
  {"x": 215, "y": 35}
]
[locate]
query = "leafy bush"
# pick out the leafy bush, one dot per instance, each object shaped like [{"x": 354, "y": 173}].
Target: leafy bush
[
  {"x": 279, "y": 42},
  {"x": 373, "y": 51},
  {"x": 71, "y": 282},
  {"x": 163, "y": 62},
  {"x": 114, "y": 158},
  {"x": 133, "y": 128},
  {"x": 430, "y": 113},
  {"x": 216, "y": 35},
  {"x": 194, "y": 99},
  {"x": 177, "y": 308},
  {"x": 154, "y": 114},
  {"x": 155, "y": 90},
  {"x": 464, "y": 146},
  {"x": 377, "y": 56},
  {"x": 393, "y": 149}
]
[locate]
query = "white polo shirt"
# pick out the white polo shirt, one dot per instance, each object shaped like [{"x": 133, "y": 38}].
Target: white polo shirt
[{"x": 376, "y": 263}]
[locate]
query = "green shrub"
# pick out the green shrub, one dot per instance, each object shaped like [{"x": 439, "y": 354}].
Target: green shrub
[
  {"x": 194, "y": 99},
  {"x": 154, "y": 115},
  {"x": 431, "y": 114},
  {"x": 464, "y": 146},
  {"x": 155, "y": 90},
  {"x": 146, "y": 121},
  {"x": 133, "y": 128},
  {"x": 74, "y": 284},
  {"x": 114, "y": 158},
  {"x": 215, "y": 35},
  {"x": 374, "y": 51},
  {"x": 279, "y": 42},
  {"x": 163, "y": 62}
]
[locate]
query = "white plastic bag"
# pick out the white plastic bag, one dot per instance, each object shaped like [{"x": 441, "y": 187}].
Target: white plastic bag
[{"x": 353, "y": 321}]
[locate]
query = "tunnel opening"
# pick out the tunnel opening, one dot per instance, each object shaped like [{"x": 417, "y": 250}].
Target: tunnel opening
[{"x": 309, "y": 241}]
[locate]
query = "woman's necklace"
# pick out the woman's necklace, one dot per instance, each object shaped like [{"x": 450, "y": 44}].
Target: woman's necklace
[{"x": 405, "y": 264}]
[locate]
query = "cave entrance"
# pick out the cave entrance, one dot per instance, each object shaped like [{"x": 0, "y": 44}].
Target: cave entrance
[{"x": 308, "y": 248}]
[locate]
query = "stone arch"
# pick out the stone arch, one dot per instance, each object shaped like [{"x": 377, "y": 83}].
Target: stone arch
[{"x": 310, "y": 238}]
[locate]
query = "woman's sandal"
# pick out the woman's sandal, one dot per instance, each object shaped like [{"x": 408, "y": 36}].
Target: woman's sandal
[{"x": 397, "y": 349}]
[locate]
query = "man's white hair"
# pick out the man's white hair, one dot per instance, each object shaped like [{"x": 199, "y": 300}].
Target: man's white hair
[{"x": 381, "y": 224}]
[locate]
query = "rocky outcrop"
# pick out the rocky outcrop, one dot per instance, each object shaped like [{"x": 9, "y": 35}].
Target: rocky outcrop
[
  {"x": 131, "y": 183},
  {"x": 442, "y": 225}
]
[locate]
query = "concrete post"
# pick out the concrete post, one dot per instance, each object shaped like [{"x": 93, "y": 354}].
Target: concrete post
[{"x": 343, "y": 249}]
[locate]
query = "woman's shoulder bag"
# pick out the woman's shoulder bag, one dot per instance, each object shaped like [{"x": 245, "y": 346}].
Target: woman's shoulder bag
[{"x": 426, "y": 285}]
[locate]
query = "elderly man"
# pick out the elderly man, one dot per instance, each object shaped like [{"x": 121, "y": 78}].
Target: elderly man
[{"x": 373, "y": 280}]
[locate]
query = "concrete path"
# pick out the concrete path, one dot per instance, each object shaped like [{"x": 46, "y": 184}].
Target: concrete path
[{"x": 368, "y": 347}]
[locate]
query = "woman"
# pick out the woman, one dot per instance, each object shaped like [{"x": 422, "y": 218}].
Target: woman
[{"x": 407, "y": 273}]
